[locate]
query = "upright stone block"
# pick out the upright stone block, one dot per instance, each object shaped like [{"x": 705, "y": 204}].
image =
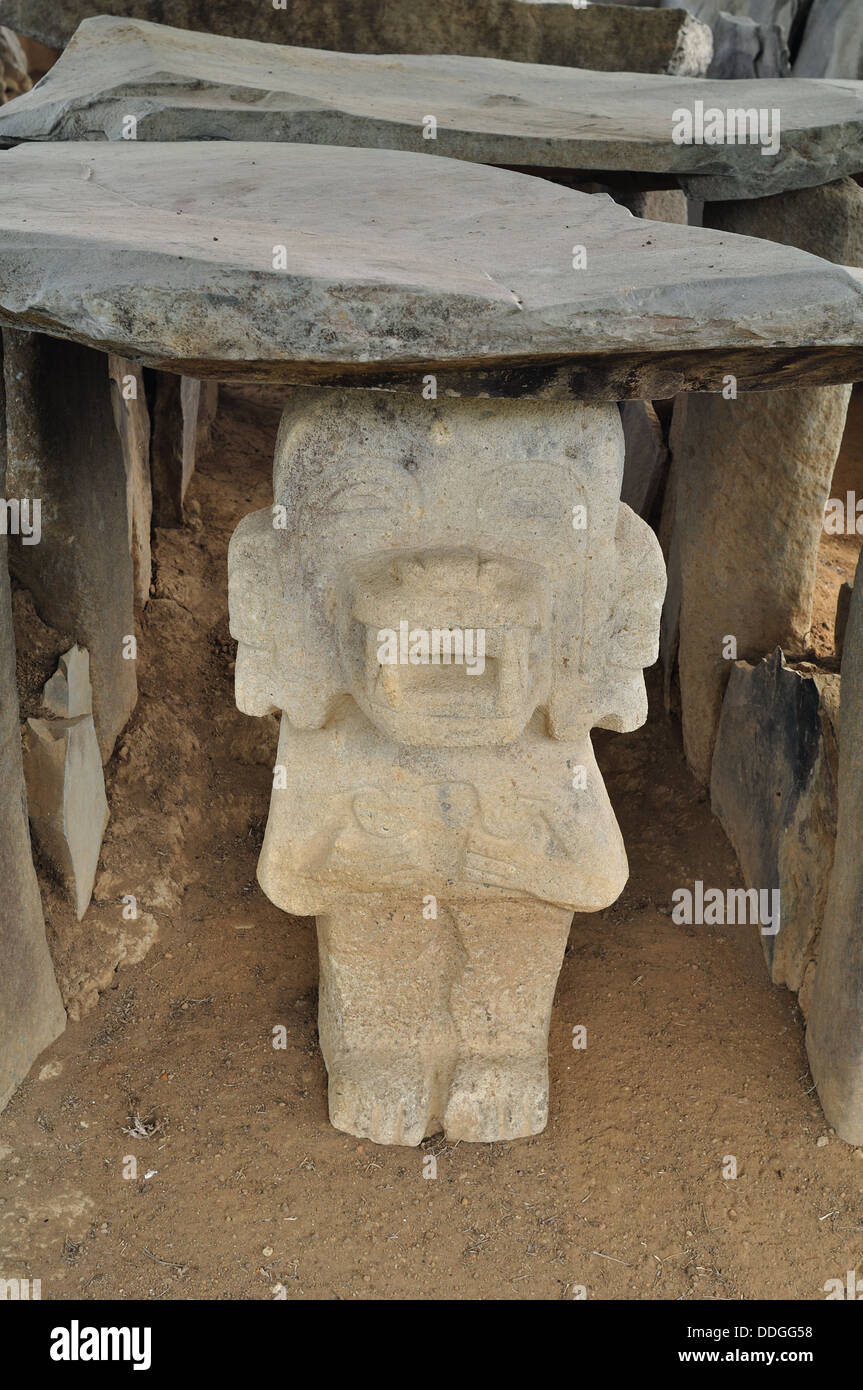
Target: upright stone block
[
  {"x": 752, "y": 476},
  {"x": 773, "y": 787},
  {"x": 183, "y": 413},
  {"x": 834, "y": 1037},
  {"x": 132, "y": 418},
  {"x": 64, "y": 449},
  {"x": 31, "y": 1011},
  {"x": 445, "y": 599}
]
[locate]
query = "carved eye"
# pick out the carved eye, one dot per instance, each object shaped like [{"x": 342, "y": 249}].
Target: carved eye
[
  {"x": 536, "y": 507},
  {"x": 351, "y": 499},
  {"x": 538, "y": 492}
]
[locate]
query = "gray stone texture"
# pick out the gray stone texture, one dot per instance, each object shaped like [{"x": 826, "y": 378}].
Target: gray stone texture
[
  {"x": 183, "y": 410},
  {"x": 65, "y": 783},
  {"x": 132, "y": 418},
  {"x": 773, "y": 787},
  {"x": 752, "y": 477},
  {"x": 64, "y": 448},
  {"x": 554, "y": 31},
  {"x": 31, "y": 1012},
  {"x": 182, "y": 86},
  {"x": 834, "y": 1038},
  {"x": 358, "y": 292},
  {"x": 832, "y": 43}
]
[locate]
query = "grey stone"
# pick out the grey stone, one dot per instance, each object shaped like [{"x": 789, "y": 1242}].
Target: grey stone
[
  {"x": 743, "y": 49},
  {"x": 552, "y": 31},
  {"x": 31, "y": 1011},
  {"x": 183, "y": 412},
  {"x": 132, "y": 418},
  {"x": 834, "y": 1039},
  {"x": 753, "y": 475},
  {"x": 68, "y": 693},
  {"x": 843, "y": 608},
  {"x": 832, "y": 43},
  {"x": 788, "y": 16},
  {"x": 65, "y": 784},
  {"x": 488, "y": 302},
  {"x": 773, "y": 787},
  {"x": 179, "y": 86},
  {"x": 645, "y": 465},
  {"x": 654, "y": 204},
  {"x": 64, "y": 449}
]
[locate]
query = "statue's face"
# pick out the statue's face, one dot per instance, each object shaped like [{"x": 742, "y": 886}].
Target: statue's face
[{"x": 439, "y": 574}]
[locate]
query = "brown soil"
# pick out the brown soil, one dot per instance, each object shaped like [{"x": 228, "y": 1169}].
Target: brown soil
[{"x": 692, "y": 1055}]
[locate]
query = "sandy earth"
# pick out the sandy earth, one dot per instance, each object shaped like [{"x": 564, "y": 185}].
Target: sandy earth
[{"x": 243, "y": 1190}]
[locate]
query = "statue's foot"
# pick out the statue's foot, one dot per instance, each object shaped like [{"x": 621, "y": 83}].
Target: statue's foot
[
  {"x": 386, "y": 1100},
  {"x": 497, "y": 1098}
]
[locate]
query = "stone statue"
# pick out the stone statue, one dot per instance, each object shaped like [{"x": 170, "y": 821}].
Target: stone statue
[{"x": 445, "y": 598}]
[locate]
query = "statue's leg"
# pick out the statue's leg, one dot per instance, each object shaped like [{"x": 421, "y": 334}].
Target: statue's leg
[
  {"x": 501, "y": 1005},
  {"x": 386, "y": 1033}
]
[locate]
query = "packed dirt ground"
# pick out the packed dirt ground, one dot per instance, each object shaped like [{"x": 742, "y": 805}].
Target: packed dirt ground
[{"x": 243, "y": 1190}]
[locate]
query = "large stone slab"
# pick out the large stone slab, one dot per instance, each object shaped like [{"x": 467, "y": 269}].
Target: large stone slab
[
  {"x": 121, "y": 79},
  {"x": 64, "y": 449},
  {"x": 301, "y": 263},
  {"x": 834, "y": 1037},
  {"x": 31, "y": 1012},
  {"x": 552, "y": 31},
  {"x": 773, "y": 787}
]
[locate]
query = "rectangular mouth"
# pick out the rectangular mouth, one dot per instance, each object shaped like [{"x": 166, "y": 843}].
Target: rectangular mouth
[
  {"x": 487, "y": 679},
  {"x": 442, "y": 691}
]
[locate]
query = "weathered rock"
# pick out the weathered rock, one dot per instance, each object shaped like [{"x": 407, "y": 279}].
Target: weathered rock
[
  {"x": 370, "y": 296},
  {"x": 834, "y": 1038},
  {"x": 14, "y": 78},
  {"x": 832, "y": 43},
  {"x": 843, "y": 608},
  {"x": 654, "y": 204},
  {"x": 554, "y": 31},
  {"x": 743, "y": 49},
  {"x": 122, "y": 79},
  {"x": 183, "y": 413},
  {"x": 132, "y": 418},
  {"x": 64, "y": 449},
  {"x": 773, "y": 787},
  {"x": 68, "y": 693},
  {"x": 645, "y": 467},
  {"x": 445, "y": 808},
  {"x": 31, "y": 1012},
  {"x": 65, "y": 784},
  {"x": 753, "y": 476},
  {"x": 788, "y": 16}
]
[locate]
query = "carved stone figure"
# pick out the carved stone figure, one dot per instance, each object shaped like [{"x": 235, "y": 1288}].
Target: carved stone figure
[{"x": 446, "y": 597}]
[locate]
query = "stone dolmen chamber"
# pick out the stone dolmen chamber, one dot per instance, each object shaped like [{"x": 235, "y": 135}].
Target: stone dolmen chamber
[
  {"x": 777, "y": 175},
  {"x": 446, "y": 482}
]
